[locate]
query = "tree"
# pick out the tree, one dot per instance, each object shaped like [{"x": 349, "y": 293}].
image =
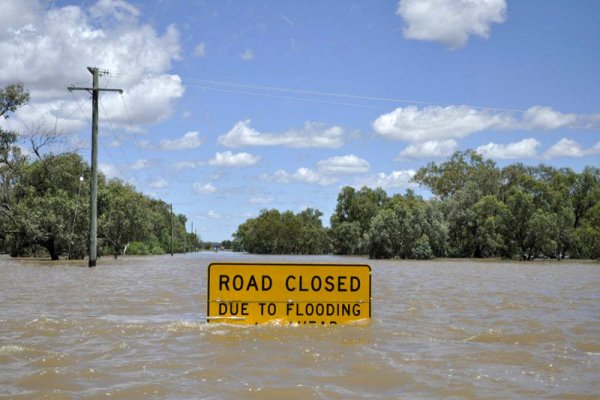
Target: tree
[
  {"x": 489, "y": 212},
  {"x": 50, "y": 210},
  {"x": 587, "y": 236},
  {"x": 382, "y": 235},
  {"x": 346, "y": 238},
  {"x": 11, "y": 160},
  {"x": 354, "y": 210},
  {"x": 273, "y": 232},
  {"x": 446, "y": 179},
  {"x": 122, "y": 216}
]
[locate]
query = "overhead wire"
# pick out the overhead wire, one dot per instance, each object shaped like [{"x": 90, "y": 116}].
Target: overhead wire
[
  {"x": 110, "y": 124},
  {"x": 104, "y": 148},
  {"x": 135, "y": 139},
  {"x": 232, "y": 86}
]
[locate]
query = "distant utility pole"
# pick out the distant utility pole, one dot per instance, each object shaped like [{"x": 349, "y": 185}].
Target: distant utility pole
[
  {"x": 172, "y": 229},
  {"x": 185, "y": 237},
  {"x": 94, "y": 90},
  {"x": 193, "y": 239}
]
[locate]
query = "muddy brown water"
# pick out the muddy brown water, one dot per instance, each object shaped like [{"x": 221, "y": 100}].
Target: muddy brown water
[{"x": 135, "y": 328}]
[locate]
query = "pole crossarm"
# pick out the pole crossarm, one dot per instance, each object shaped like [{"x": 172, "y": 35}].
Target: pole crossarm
[{"x": 71, "y": 88}]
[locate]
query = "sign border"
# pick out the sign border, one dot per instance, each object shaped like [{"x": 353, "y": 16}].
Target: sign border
[{"x": 286, "y": 264}]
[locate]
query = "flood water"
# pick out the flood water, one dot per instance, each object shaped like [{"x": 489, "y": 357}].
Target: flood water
[{"x": 135, "y": 328}]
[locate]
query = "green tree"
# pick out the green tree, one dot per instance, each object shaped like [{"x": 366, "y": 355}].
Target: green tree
[
  {"x": 273, "y": 232},
  {"x": 50, "y": 208},
  {"x": 122, "y": 216},
  {"x": 346, "y": 238},
  {"x": 489, "y": 212},
  {"x": 587, "y": 236},
  {"x": 383, "y": 234},
  {"x": 11, "y": 162},
  {"x": 446, "y": 179},
  {"x": 354, "y": 209}
]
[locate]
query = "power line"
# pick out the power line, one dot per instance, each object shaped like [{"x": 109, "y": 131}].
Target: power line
[
  {"x": 120, "y": 147},
  {"x": 237, "y": 85},
  {"x": 285, "y": 97},
  {"x": 101, "y": 144},
  {"x": 135, "y": 139}
]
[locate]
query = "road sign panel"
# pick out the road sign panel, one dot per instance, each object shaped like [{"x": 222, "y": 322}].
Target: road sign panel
[{"x": 288, "y": 293}]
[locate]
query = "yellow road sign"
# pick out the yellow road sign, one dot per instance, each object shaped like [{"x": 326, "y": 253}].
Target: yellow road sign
[{"x": 288, "y": 293}]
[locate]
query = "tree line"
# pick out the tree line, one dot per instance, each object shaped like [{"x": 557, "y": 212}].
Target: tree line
[
  {"x": 476, "y": 210},
  {"x": 44, "y": 203}
]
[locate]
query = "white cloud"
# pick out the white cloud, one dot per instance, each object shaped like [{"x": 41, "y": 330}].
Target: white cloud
[
  {"x": 184, "y": 165},
  {"x": 570, "y": 148},
  {"x": 213, "y": 214},
  {"x": 200, "y": 50},
  {"x": 229, "y": 159},
  {"x": 190, "y": 140},
  {"x": 526, "y": 148},
  {"x": 429, "y": 149},
  {"x": 57, "y": 43},
  {"x": 395, "y": 180},
  {"x": 539, "y": 117},
  {"x": 437, "y": 123},
  {"x": 159, "y": 183},
  {"x": 204, "y": 189},
  {"x": 247, "y": 55},
  {"x": 450, "y": 22},
  {"x": 304, "y": 175},
  {"x": 140, "y": 164},
  {"x": 260, "y": 200},
  {"x": 119, "y": 9},
  {"x": 349, "y": 164},
  {"x": 312, "y": 134},
  {"x": 109, "y": 170},
  {"x": 326, "y": 174}
]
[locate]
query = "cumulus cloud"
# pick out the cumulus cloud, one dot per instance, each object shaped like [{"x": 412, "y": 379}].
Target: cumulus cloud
[
  {"x": 229, "y": 159},
  {"x": 140, "y": 164},
  {"x": 394, "y": 180},
  {"x": 436, "y": 123},
  {"x": 190, "y": 140},
  {"x": 450, "y": 22},
  {"x": 57, "y": 43},
  {"x": 159, "y": 183},
  {"x": 526, "y": 148},
  {"x": 546, "y": 118},
  {"x": 260, "y": 200},
  {"x": 429, "y": 149},
  {"x": 570, "y": 148},
  {"x": 349, "y": 164},
  {"x": 109, "y": 170},
  {"x": 327, "y": 171},
  {"x": 312, "y": 134},
  {"x": 180, "y": 165},
  {"x": 247, "y": 55},
  {"x": 441, "y": 124},
  {"x": 304, "y": 175},
  {"x": 207, "y": 188},
  {"x": 200, "y": 50}
]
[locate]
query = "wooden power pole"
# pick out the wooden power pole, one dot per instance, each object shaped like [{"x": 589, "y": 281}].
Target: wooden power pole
[{"x": 94, "y": 90}]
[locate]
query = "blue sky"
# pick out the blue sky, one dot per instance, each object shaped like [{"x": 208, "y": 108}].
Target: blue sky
[{"x": 234, "y": 106}]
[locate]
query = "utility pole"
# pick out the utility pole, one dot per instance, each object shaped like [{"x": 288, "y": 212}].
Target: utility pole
[
  {"x": 94, "y": 90},
  {"x": 193, "y": 239},
  {"x": 172, "y": 229}
]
